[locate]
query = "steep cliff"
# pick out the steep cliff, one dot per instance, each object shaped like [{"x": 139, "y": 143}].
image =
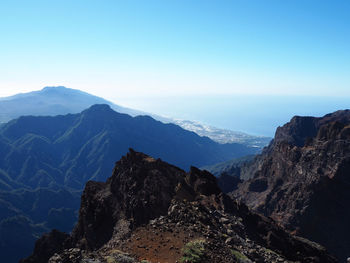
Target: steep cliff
[{"x": 302, "y": 180}]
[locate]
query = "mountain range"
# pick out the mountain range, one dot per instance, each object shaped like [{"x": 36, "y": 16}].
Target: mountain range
[
  {"x": 51, "y": 101},
  {"x": 45, "y": 162}
]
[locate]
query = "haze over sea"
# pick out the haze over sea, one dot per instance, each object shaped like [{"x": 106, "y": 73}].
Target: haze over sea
[
  {"x": 173, "y": 54},
  {"x": 259, "y": 115}
]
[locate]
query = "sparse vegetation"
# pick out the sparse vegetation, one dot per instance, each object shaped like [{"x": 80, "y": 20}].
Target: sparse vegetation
[
  {"x": 193, "y": 252},
  {"x": 120, "y": 258},
  {"x": 239, "y": 256},
  {"x": 270, "y": 251}
]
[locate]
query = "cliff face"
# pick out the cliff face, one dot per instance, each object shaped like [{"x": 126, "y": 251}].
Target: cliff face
[
  {"x": 140, "y": 189},
  {"x": 151, "y": 210},
  {"x": 302, "y": 180}
]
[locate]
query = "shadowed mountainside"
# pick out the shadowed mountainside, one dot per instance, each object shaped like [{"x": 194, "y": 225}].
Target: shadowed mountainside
[
  {"x": 46, "y": 161},
  {"x": 71, "y": 149}
]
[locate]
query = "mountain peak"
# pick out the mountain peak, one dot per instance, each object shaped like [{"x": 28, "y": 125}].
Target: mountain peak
[
  {"x": 98, "y": 110},
  {"x": 137, "y": 157},
  {"x": 99, "y": 107},
  {"x": 51, "y": 88},
  {"x": 58, "y": 90},
  {"x": 62, "y": 90},
  {"x": 299, "y": 129}
]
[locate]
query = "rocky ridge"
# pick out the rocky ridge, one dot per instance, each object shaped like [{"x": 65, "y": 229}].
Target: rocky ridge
[
  {"x": 302, "y": 180},
  {"x": 151, "y": 211}
]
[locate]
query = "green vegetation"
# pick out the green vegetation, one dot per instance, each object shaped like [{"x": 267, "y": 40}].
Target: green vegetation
[
  {"x": 111, "y": 260},
  {"x": 270, "y": 251},
  {"x": 193, "y": 252},
  {"x": 239, "y": 256},
  {"x": 121, "y": 258}
]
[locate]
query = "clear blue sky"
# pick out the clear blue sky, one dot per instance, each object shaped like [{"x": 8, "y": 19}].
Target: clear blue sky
[{"x": 118, "y": 49}]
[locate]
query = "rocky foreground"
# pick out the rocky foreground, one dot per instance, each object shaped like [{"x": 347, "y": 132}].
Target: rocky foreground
[{"x": 151, "y": 211}]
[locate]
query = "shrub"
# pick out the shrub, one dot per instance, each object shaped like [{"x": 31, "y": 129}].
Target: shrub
[
  {"x": 193, "y": 252},
  {"x": 120, "y": 258},
  {"x": 240, "y": 257}
]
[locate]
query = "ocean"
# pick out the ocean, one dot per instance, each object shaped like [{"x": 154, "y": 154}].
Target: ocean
[{"x": 257, "y": 115}]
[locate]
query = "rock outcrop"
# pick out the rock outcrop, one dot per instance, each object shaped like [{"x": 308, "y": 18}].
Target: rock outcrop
[
  {"x": 150, "y": 210},
  {"x": 302, "y": 180},
  {"x": 46, "y": 246}
]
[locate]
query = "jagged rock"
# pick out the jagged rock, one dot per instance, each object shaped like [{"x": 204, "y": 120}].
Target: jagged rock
[
  {"x": 140, "y": 189},
  {"x": 155, "y": 211},
  {"x": 46, "y": 246},
  {"x": 228, "y": 183},
  {"x": 302, "y": 180}
]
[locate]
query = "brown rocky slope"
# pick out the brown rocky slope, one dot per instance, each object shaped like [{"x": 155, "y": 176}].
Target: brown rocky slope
[
  {"x": 302, "y": 180},
  {"x": 151, "y": 211}
]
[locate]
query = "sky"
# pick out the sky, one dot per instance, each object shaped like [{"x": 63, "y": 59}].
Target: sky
[
  {"x": 125, "y": 49},
  {"x": 246, "y": 65}
]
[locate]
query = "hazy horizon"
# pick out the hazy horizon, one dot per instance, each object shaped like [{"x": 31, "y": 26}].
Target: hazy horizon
[
  {"x": 157, "y": 56},
  {"x": 253, "y": 114}
]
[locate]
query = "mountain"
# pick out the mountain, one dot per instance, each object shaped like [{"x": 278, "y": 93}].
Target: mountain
[
  {"x": 55, "y": 151},
  {"x": 52, "y": 101},
  {"x": 151, "y": 211},
  {"x": 45, "y": 162},
  {"x": 302, "y": 180}
]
